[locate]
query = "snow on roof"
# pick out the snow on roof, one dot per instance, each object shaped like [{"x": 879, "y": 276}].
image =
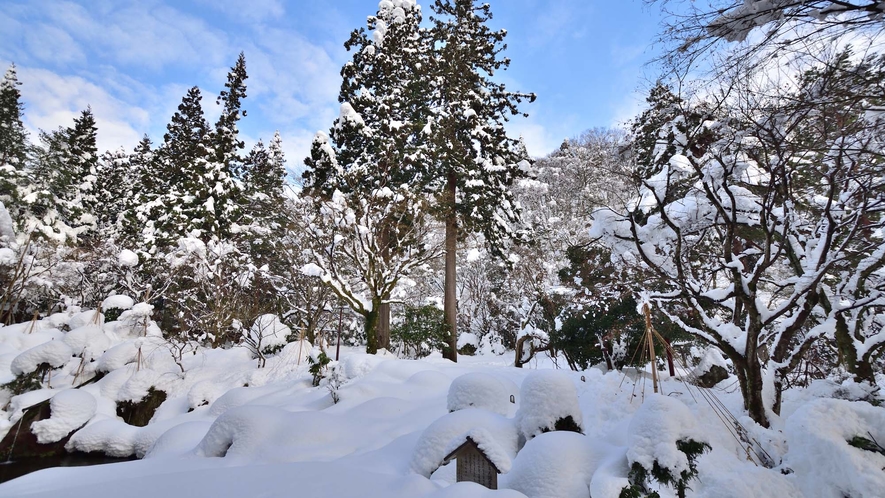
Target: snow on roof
[
  {"x": 494, "y": 434},
  {"x": 486, "y": 444}
]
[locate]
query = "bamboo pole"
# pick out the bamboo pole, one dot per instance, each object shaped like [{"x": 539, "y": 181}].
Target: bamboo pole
[{"x": 651, "y": 346}]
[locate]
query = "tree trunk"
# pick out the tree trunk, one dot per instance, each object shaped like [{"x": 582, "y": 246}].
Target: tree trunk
[
  {"x": 449, "y": 301},
  {"x": 859, "y": 367},
  {"x": 749, "y": 372},
  {"x": 384, "y": 326},
  {"x": 371, "y": 329}
]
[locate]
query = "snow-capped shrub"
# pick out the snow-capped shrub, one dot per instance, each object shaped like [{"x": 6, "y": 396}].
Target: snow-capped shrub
[
  {"x": 836, "y": 448},
  {"x": 52, "y": 353},
  {"x": 664, "y": 445},
  {"x": 479, "y": 390},
  {"x": 556, "y": 465},
  {"x": 548, "y": 402},
  {"x": 113, "y": 306},
  {"x": 267, "y": 336},
  {"x": 88, "y": 341}
]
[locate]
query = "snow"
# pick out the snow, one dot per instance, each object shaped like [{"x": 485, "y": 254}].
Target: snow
[
  {"x": 127, "y": 258},
  {"x": 659, "y": 423},
  {"x": 118, "y": 301},
  {"x": 55, "y": 353},
  {"x": 226, "y": 421},
  {"x": 819, "y": 433},
  {"x": 69, "y": 410},
  {"x": 480, "y": 390},
  {"x": 556, "y": 465},
  {"x": 545, "y": 397}
]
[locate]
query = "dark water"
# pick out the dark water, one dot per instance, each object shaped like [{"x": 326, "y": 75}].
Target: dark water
[{"x": 18, "y": 468}]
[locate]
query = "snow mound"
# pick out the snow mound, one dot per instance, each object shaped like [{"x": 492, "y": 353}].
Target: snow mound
[
  {"x": 117, "y": 357},
  {"x": 821, "y": 456},
  {"x": 55, "y": 353},
  {"x": 69, "y": 410},
  {"x": 119, "y": 301},
  {"x": 90, "y": 341},
  {"x": 556, "y": 464},
  {"x": 82, "y": 318},
  {"x": 357, "y": 365},
  {"x": 127, "y": 258},
  {"x": 545, "y": 397},
  {"x": 110, "y": 436},
  {"x": 654, "y": 430},
  {"x": 479, "y": 390}
]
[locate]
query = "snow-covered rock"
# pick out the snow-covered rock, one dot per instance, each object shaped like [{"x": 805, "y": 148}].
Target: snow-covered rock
[{"x": 69, "y": 410}]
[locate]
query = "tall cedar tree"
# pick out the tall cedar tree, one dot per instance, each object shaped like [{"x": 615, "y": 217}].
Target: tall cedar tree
[
  {"x": 13, "y": 138},
  {"x": 377, "y": 145},
  {"x": 474, "y": 163},
  {"x": 168, "y": 209}
]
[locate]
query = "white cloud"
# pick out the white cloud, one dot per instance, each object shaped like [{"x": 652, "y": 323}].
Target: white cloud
[
  {"x": 256, "y": 11},
  {"x": 52, "y": 100}
]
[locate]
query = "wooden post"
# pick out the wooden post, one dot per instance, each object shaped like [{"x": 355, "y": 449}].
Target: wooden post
[
  {"x": 338, "y": 347},
  {"x": 651, "y": 346},
  {"x": 300, "y": 346},
  {"x": 670, "y": 358}
]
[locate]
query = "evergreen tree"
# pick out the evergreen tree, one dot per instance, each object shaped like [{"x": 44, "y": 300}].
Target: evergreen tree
[
  {"x": 13, "y": 138},
  {"x": 373, "y": 151},
  {"x": 474, "y": 163},
  {"x": 169, "y": 207},
  {"x": 65, "y": 169}
]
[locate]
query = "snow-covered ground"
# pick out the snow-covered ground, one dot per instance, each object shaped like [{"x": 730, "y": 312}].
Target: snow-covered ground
[{"x": 229, "y": 428}]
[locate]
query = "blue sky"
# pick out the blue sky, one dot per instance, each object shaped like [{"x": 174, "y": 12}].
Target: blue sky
[{"x": 133, "y": 61}]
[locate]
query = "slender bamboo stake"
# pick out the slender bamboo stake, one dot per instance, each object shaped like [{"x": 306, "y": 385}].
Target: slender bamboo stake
[{"x": 651, "y": 347}]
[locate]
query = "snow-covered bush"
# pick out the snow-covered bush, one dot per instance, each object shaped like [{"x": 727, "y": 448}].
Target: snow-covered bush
[
  {"x": 836, "y": 448},
  {"x": 548, "y": 402},
  {"x": 480, "y": 390},
  {"x": 664, "y": 446},
  {"x": 267, "y": 336}
]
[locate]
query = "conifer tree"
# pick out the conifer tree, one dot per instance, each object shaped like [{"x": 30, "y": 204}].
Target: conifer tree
[
  {"x": 370, "y": 158},
  {"x": 64, "y": 172},
  {"x": 169, "y": 206},
  {"x": 474, "y": 163},
  {"x": 13, "y": 138}
]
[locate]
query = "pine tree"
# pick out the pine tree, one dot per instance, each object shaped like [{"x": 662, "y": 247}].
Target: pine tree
[
  {"x": 474, "y": 162},
  {"x": 13, "y": 138}
]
